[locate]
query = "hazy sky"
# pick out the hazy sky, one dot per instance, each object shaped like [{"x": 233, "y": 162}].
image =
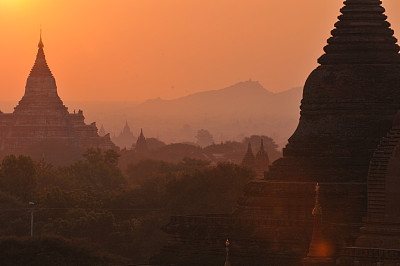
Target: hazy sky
[{"x": 132, "y": 50}]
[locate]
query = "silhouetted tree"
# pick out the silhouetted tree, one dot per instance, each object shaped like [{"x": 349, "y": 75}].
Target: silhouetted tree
[
  {"x": 50, "y": 251},
  {"x": 18, "y": 176},
  {"x": 204, "y": 138},
  {"x": 154, "y": 144}
]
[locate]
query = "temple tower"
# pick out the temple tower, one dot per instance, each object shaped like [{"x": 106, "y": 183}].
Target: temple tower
[
  {"x": 262, "y": 160},
  {"x": 141, "y": 144},
  {"x": 41, "y": 124},
  {"x": 249, "y": 160},
  {"x": 102, "y": 131},
  {"x": 41, "y": 89},
  {"x": 125, "y": 139}
]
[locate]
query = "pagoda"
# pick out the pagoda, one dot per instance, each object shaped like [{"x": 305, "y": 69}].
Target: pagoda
[
  {"x": 259, "y": 163},
  {"x": 262, "y": 160},
  {"x": 141, "y": 144},
  {"x": 249, "y": 160},
  {"x": 41, "y": 125},
  {"x": 349, "y": 102},
  {"x": 102, "y": 131},
  {"x": 125, "y": 139},
  {"x": 348, "y": 105}
]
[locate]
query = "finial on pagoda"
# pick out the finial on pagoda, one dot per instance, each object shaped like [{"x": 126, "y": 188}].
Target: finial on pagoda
[
  {"x": 317, "y": 208},
  {"x": 227, "y": 263},
  {"x": 319, "y": 250},
  {"x": 40, "y": 45}
]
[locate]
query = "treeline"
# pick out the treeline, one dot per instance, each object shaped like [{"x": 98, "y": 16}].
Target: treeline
[
  {"x": 121, "y": 212},
  {"x": 228, "y": 151}
]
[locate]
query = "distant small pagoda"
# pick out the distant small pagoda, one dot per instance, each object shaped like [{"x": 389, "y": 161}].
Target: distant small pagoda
[
  {"x": 141, "y": 144},
  {"x": 41, "y": 125},
  {"x": 259, "y": 163},
  {"x": 249, "y": 160},
  {"x": 102, "y": 131},
  {"x": 125, "y": 139}
]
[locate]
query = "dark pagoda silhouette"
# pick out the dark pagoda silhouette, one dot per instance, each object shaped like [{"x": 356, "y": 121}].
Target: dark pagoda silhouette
[
  {"x": 262, "y": 160},
  {"x": 141, "y": 144},
  {"x": 249, "y": 160},
  {"x": 41, "y": 125},
  {"x": 349, "y": 102},
  {"x": 259, "y": 163}
]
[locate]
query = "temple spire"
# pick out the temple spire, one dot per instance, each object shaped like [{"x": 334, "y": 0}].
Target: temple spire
[
  {"x": 141, "y": 143},
  {"x": 318, "y": 253},
  {"x": 40, "y": 68},
  {"x": 262, "y": 160},
  {"x": 227, "y": 263},
  {"x": 249, "y": 160},
  {"x": 316, "y": 245},
  {"x": 41, "y": 45},
  {"x": 317, "y": 208}
]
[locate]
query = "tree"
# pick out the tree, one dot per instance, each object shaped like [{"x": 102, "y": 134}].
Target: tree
[
  {"x": 46, "y": 251},
  {"x": 204, "y": 138},
  {"x": 18, "y": 176},
  {"x": 99, "y": 170},
  {"x": 154, "y": 144}
]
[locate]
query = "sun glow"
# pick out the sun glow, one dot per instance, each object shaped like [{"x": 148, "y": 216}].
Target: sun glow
[{"x": 15, "y": 6}]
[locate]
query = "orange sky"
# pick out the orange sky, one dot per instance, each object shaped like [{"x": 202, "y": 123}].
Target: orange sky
[{"x": 132, "y": 50}]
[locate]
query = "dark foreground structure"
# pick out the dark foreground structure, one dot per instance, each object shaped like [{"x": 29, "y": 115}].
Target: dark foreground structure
[
  {"x": 349, "y": 103},
  {"x": 379, "y": 243},
  {"x": 41, "y": 125}
]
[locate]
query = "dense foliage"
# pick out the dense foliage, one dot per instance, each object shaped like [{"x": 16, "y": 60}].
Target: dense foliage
[
  {"x": 93, "y": 199},
  {"x": 51, "y": 251}
]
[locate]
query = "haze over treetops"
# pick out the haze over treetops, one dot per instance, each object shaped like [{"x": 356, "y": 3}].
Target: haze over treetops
[{"x": 132, "y": 50}]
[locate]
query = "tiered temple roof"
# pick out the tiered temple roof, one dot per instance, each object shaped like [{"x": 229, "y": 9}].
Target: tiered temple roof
[
  {"x": 42, "y": 126},
  {"x": 361, "y": 36}
]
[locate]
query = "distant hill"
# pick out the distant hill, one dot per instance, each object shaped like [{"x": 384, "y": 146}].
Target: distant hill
[
  {"x": 231, "y": 113},
  {"x": 240, "y": 110},
  {"x": 243, "y": 98}
]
